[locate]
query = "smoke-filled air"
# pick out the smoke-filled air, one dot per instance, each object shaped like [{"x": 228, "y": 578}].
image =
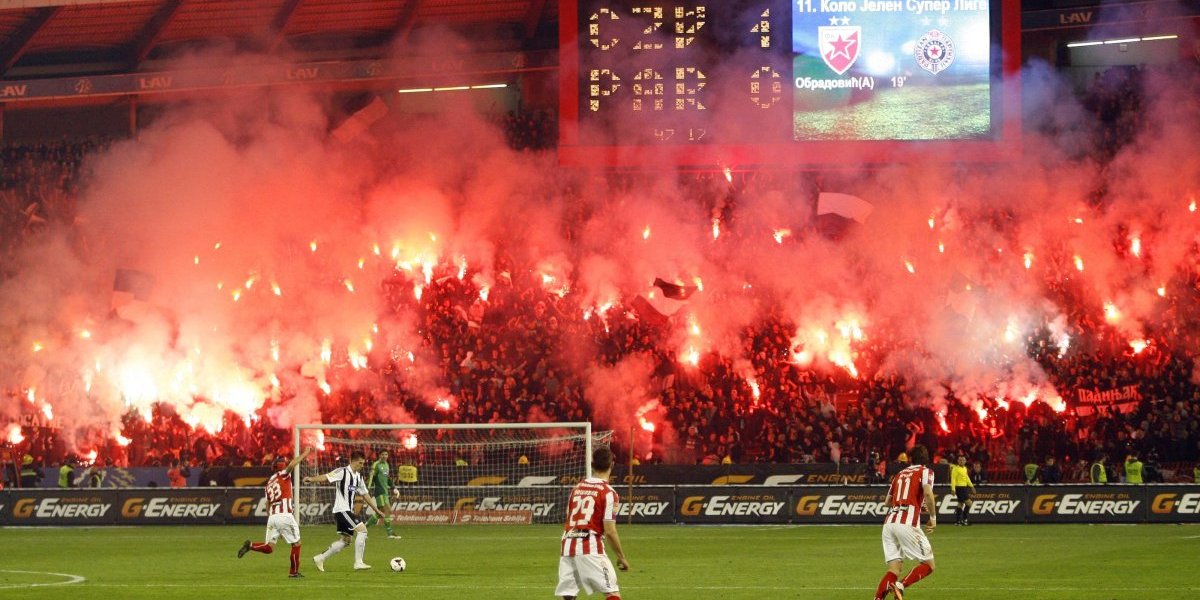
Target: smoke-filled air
[{"x": 237, "y": 265}]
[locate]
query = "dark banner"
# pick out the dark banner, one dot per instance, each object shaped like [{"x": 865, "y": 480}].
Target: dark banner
[
  {"x": 989, "y": 504},
  {"x": 60, "y": 507},
  {"x": 1173, "y": 504},
  {"x": 838, "y": 504},
  {"x": 194, "y": 506},
  {"x": 716, "y": 504},
  {"x": 1086, "y": 504}
]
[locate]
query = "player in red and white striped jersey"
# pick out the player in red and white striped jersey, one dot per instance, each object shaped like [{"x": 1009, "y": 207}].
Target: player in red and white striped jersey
[
  {"x": 591, "y": 520},
  {"x": 902, "y": 535},
  {"x": 281, "y": 521}
]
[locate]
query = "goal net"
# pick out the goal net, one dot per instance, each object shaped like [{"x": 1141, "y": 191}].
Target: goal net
[{"x": 487, "y": 473}]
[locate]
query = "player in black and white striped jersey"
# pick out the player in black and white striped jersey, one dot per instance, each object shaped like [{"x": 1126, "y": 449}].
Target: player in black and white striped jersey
[{"x": 348, "y": 481}]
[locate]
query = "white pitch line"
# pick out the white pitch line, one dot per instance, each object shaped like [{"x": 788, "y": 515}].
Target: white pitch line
[
  {"x": 339, "y": 585},
  {"x": 70, "y": 579}
]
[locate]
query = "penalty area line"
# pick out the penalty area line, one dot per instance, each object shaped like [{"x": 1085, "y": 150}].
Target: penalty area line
[{"x": 70, "y": 579}]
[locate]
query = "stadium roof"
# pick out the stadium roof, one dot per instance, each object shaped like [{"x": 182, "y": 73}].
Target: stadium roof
[{"x": 55, "y": 38}]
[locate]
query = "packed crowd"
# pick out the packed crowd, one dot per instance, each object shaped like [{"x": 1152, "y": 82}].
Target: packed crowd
[{"x": 518, "y": 354}]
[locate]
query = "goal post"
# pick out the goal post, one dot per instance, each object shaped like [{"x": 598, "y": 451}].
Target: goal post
[{"x": 455, "y": 473}]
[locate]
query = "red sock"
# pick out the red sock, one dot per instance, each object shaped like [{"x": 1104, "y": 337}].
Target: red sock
[
  {"x": 888, "y": 579},
  {"x": 295, "y": 559},
  {"x": 918, "y": 573},
  {"x": 261, "y": 547}
]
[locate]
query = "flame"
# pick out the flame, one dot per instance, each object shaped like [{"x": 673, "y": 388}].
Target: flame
[
  {"x": 85, "y": 334},
  {"x": 982, "y": 412},
  {"x": 699, "y": 283},
  {"x": 432, "y": 236},
  {"x": 691, "y": 356},
  {"x": 1111, "y": 314},
  {"x": 1138, "y": 346},
  {"x": 442, "y": 404},
  {"x": 483, "y": 293},
  {"x": 693, "y": 326},
  {"x": 410, "y": 441},
  {"x": 1192, "y": 205},
  {"x": 324, "y": 385},
  {"x": 1063, "y": 343},
  {"x": 349, "y": 285},
  {"x": 931, "y": 222},
  {"x": 1078, "y": 220},
  {"x": 376, "y": 250},
  {"x": 48, "y": 411},
  {"x": 236, "y": 294},
  {"x": 217, "y": 246},
  {"x": 1028, "y": 260},
  {"x": 275, "y": 350},
  {"x": 908, "y": 265},
  {"x": 196, "y": 259},
  {"x": 1012, "y": 331},
  {"x": 941, "y": 419},
  {"x": 312, "y": 245},
  {"x": 275, "y": 289},
  {"x": 941, "y": 247},
  {"x": 38, "y": 347},
  {"x": 780, "y": 234},
  {"x": 13, "y": 436},
  {"x": 753, "y": 383},
  {"x": 326, "y": 350},
  {"x": 361, "y": 263},
  {"x": 30, "y": 395},
  {"x": 716, "y": 227},
  {"x": 319, "y": 444},
  {"x": 1135, "y": 246},
  {"x": 418, "y": 291},
  {"x": 1078, "y": 263},
  {"x": 250, "y": 281},
  {"x": 841, "y": 358},
  {"x": 462, "y": 267},
  {"x": 802, "y": 358},
  {"x": 411, "y": 358},
  {"x": 646, "y": 425},
  {"x": 1162, "y": 291},
  {"x": 90, "y": 457},
  {"x": 1028, "y": 398},
  {"x": 728, "y": 174},
  {"x": 646, "y": 233}
]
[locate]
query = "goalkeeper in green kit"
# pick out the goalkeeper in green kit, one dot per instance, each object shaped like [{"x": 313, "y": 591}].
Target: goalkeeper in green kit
[{"x": 380, "y": 484}]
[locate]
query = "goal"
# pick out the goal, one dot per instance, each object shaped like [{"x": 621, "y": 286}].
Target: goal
[{"x": 487, "y": 473}]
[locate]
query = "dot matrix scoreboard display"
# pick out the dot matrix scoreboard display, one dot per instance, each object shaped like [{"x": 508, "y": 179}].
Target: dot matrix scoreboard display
[{"x": 762, "y": 82}]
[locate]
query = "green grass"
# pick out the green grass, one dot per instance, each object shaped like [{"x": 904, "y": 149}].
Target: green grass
[{"x": 1059, "y": 562}]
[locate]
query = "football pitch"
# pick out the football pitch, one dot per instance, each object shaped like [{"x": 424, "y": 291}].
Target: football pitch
[{"x": 518, "y": 562}]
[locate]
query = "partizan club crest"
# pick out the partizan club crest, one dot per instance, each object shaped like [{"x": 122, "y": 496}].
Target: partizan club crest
[
  {"x": 839, "y": 44},
  {"x": 935, "y": 51}
]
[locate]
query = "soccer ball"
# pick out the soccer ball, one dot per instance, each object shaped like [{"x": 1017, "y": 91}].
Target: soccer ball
[{"x": 398, "y": 565}]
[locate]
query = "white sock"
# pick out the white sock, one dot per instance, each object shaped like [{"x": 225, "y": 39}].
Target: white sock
[
  {"x": 334, "y": 548},
  {"x": 360, "y": 546}
]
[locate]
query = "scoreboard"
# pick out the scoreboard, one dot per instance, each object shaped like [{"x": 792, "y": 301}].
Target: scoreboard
[{"x": 742, "y": 82}]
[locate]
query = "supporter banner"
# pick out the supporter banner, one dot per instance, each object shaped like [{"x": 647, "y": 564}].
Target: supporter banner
[
  {"x": 647, "y": 505},
  {"x": 117, "y": 477},
  {"x": 196, "y": 506},
  {"x": 714, "y": 504},
  {"x": 1173, "y": 504},
  {"x": 989, "y": 504},
  {"x": 1087, "y": 504},
  {"x": 1124, "y": 399},
  {"x": 61, "y": 507},
  {"x": 749, "y": 474},
  {"x": 838, "y": 504}
]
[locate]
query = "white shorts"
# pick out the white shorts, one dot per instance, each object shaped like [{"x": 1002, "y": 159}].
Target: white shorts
[
  {"x": 591, "y": 572},
  {"x": 902, "y": 541},
  {"x": 282, "y": 524}
]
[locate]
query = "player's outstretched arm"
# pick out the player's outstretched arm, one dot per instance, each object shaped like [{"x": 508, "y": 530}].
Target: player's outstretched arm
[
  {"x": 614, "y": 542},
  {"x": 329, "y": 477},
  {"x": 371, "y": 502},
  {"x": 298, "y": 459}
]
